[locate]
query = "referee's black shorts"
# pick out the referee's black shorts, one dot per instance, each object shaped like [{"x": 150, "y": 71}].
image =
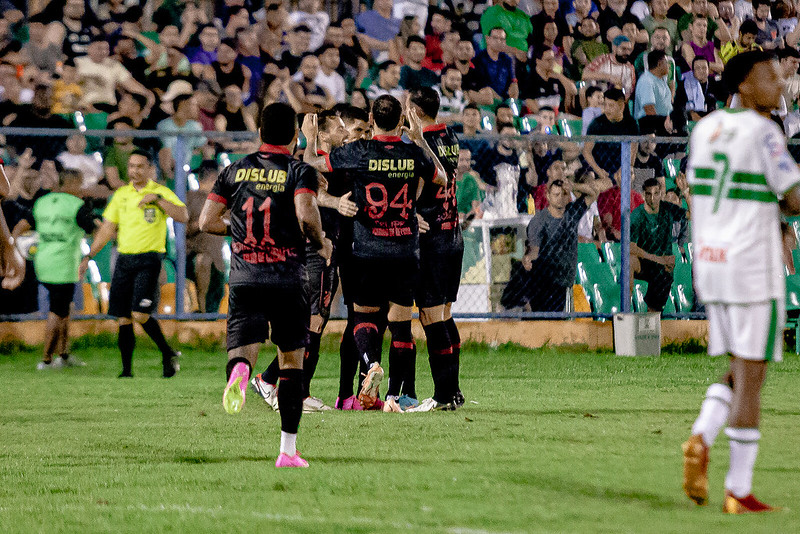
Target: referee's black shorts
[
  {"x": 134, "y": 285},
  {"x": 378, "y": 281},
  {"x": 439, "y": 277},
  {"x": 252, "y": 309}
]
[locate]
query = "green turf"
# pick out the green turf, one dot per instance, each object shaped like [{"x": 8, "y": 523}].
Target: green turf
[{"x": 549, "y": 441}]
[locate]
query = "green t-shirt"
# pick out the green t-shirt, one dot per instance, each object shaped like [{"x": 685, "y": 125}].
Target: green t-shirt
[
  {"x": 686, "y": 20},
  {"x": 653, "y": 232},
  {"x": 517, "y": 25},
  {"x": 61, "y": 221},
  {"x": 118, "y": 158},
  {"x": 467, "y": 191}
]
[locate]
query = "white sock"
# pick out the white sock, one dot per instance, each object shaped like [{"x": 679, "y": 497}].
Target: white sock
[
  {"x": 288, "y": 443},
  {"x": 713, "y": 413},
  {"x": 744, "y": 449}
]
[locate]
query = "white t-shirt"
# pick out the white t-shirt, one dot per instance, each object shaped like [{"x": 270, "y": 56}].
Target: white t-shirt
[
  {"x": 586, "y": 224},
  {"x": 99, "y": 80},
  {"x": 739, "y": 168},
  {"x": 334, "y": 84},
  {"x": 90, "y": 168}
]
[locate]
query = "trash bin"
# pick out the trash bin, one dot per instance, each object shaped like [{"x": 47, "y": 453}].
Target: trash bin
[{"x": 637, "y": 334}]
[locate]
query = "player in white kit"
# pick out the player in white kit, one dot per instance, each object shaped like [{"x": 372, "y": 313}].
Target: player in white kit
[{"x": 742, "y": 178}]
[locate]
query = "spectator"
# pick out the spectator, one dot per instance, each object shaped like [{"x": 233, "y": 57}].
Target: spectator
[
  {"x": 208, "y": 95},
  {"x": 67, "y": 91},
  {"x": 233, "y": 117},
  {"x": 651, "y": 244},
  {"x": 546, "y": 87},
  {"x": 653, "y": 103},
  {"x": 728, "y": 19},
  {"x": 271, "y": 31},
  {"x": 249, "y": 56},
  {"x": 131, "y": 106},
  {"x": 183, "y": 120},
  {"x": 786, "y": 15},
  {"x": 549, "y": 13},
  {"x": 413, "y": 74},
  {"x": 768, "y": 36},
  {"x": 472, "y": 121},
  {"x": 608, "y": 205},
  {"x": 446, "y": 55},
  {"x": 239, "y": 20},
  {"x": 495, "y": 67},
  {"x": 698, "y": 45},
  {"x": 299, "y": 41},
  {"x": 438, "y": 39},
  {"x": 115, "y": 160},
  {"x": 416, "y": 9},
  {"x": 474, "y": 87},
  {"x": 594, "y": 107},
  {"x": 581, "y": 9},
  {"x": 556, "y": 170},
  {"x": 38, "y": 114},
  {"x": 314, "y": 97},
  {"x": 658, "y": 18},
  {"x": 590, "y": 228},
  {"x": 310, "y": 13},
  {"x": 505, "y": 151},
  {"x": 743, "y": 9},
  {"x": 699, "y": 93},
  {"x": 451, "y": 96},
  {"x": 388, "y": 81},
  {"x": 587, "y": 45},
  {"x": 43, "y": 48},
  {"x": 746, "y": 41},
  {"x": 614, "y": 68},
  {"x": 378, "y": 27},
  {"x": 703, "y": 9},
  {"x": 78, "y": 24},
  {"x": 616, "y": 14},
  {"x": 468, "y": 188},
  {"x": 206, "y": 53},
  {"x": 100, "y": 75},
  {"x": 90, "y": 168},
  {"x": 563, "y": 63},
  {"x": 360, "y": 100},
  {"x": 505, "y": 115},
  {"x": 660, "y": 40},
  {"x": 647, "y": 165},
  {"x": 605, "y": 158},
  {"x": 327, "y": 77},
  {"x": 126, "y": 54},
  {"x": 176, "y": 68},
  {"x": 790, "y": 62},
  {"x": 516, "y": 28},
  {"x": 226, "y": 69},
  {"x": 353, "y": 63},
  {"x": 398, "y": 47}
]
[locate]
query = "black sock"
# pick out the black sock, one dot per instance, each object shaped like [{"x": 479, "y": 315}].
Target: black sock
[
  {"x": 402, "y": 359},
  {"x": 311, "y": 360},
  {"x": 126, "y": 342},
  {"x": 272, "y": 373},
  {"x": 153, "y": 329},
  {"x": 440, "y": 355},
  {"x": 366, "y": 336},
  {"x": 232, "y": 363},
  {"x": 290, "y": 399},
  {"x": 348, "y": 360},
  {"x": 455, "y": 339}
]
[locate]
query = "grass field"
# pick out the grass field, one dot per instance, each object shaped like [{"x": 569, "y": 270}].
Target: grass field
[{"x": 549, "y": 441}]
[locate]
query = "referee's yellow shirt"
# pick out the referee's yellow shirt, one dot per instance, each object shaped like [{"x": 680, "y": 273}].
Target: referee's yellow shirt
[{"x": 140, "y": 230}]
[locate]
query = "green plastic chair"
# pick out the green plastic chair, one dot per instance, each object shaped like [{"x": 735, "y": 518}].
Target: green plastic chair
[
  {"x": 601, "y": 289},
  {"x": 612, "y": 255},
  {"x": 793, "y": 307},
  {"x": 639, "y": 291},
  {"x": 570, "y": 127},
  {"x": 682, "y": 288}
]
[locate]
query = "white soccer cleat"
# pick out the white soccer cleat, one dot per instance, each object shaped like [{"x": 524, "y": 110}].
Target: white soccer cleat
[
  {"x": 430, "y": 405},
  {"x": 313, "y": 404},
  {"x": 268, "y": 392}
]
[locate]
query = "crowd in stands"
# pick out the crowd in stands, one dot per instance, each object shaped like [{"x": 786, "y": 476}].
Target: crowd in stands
[{"x": 507, "y": 67}]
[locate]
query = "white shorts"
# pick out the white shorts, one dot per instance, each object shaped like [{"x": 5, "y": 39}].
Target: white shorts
[{"x": 752, "y": 331}]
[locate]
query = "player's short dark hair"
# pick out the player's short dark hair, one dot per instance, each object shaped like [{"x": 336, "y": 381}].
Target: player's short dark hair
[
  {"x": 325, "y": 119},
  {"x": 614, "y": 94},
  {"x": 591, "y": 90},
  {"x": 278, "y": 124},
  {"x": 143, "y": 153},
  {"x": 654, "y": 58},
  {"x": 650, "y": 182},
  {"x": 414, "y": 39},
  {"x": 386, "y": 112},
  {"x": 740, "y": 65},
  {"x": 67, "y": 175},
  {"x": 348, "y": 113},
  {"x": 427, "y": 99},
  {"x": 749, "y": 27}
]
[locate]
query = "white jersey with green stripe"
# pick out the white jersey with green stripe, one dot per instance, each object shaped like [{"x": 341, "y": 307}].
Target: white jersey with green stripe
[{"x": 739, "y": 169}]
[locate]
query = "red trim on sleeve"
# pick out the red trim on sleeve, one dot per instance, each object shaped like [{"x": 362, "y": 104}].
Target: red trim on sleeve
[
  {"x": 274, "y": 149},
  {"x": 328, "y": 162},
  {"x": 216, "y": 198},
  {"x": 304, "y": 190},
  {"x": 435, "y": 173},
  {"x": 435, "y": 128}
]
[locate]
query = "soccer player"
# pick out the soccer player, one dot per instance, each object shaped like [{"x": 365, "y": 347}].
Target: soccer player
[
  {"x": 137, "y": 216},
  {"x": 441, "y": 252},
  {"x": 322, "y": 278},
  {"x": 61, "y": 218},
  {"x": 273, "y": 210},
  {"x": 742, "y": 178},
  {"x": 387, "y": 176}
]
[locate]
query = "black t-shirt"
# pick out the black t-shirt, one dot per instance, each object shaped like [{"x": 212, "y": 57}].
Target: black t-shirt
[
  {"x": 268, "y": 247},
  {"x": 547, "y": 92},
  {"x": 437, "y": 204},
  {"x": 234, "y": 77},
  {"x": 387, "y": 174},
  {"x": 607, "y": 155}
]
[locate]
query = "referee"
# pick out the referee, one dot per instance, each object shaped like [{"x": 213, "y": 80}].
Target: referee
[{"x": 137, "y": 217}]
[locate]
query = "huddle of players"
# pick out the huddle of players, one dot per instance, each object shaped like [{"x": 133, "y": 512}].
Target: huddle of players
[{"x": 283, "y": 272}]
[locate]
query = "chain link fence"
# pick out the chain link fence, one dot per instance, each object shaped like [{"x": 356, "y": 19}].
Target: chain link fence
[{"x": 533, "y": 247}]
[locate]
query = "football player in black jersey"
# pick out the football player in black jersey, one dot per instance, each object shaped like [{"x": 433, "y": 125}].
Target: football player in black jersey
[
  {"x": 387, "y": 175},
  {"x": 441, "y": 252},
  {"x": 273, "y": 211}
]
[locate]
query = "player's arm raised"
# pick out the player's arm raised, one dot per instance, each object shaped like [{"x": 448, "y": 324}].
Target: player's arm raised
[
  {"x": 310, "y": 130},
  {"x": 305, "y": 206},
  {"x": 415, "y": 134}
]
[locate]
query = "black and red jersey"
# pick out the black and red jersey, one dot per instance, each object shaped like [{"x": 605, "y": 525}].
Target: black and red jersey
[
  {"x": 268, "y": 247},
  {"x": 437, "y": 204},
  {"x": 386, "y": 174},
  {"x": 338, "y": 185}
]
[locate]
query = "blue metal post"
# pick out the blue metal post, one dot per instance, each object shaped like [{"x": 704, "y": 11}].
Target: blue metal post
[
  {"x": 625, "y": 218},
  {"x": 181, "y": 157}
]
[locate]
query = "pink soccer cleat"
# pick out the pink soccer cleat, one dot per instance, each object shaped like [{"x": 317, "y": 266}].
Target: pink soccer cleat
[
  {"x": 234, "y": 396},
  {"x": 284, "y": 460}
]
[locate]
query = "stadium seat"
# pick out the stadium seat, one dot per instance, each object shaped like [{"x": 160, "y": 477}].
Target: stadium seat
[
  {"x": 680, "y": 257},
  {"x": 90, "y": 304},
  {"x": 587, "y": 253},
  {"x": 682, "y": 288},
  {"x": 601, "y": 289},
  {"x": 103, "y": 261},
  {"x": 570, "y": 127},
  {"x": 639, "y": 291},
  {"x": 793, "y": 308},
  {"x": 672, "y": 168},
  {"x": 612, "y": 254}
]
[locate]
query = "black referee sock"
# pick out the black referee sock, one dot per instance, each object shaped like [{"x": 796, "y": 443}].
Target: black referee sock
[
  {"x": 402, "y": 359},
  {"x": 367, "y": 337},
  {"x": 272, "y": 373},
  {"x": 348, "y": 360},
  {"x": 126, "y": 343},
  {"x": 311, "y": 360},
  {"x": 455, "y": 339},
  {"x": 290, "y": 399},
  {"x": 440, "y": 355},
  {"x": 153, "y": 329}
]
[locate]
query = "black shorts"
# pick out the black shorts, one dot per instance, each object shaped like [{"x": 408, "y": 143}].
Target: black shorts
[
  {"x": 134, "y": 285},
  {"x": 253, "y": 309},
  {"x": 322, "y": 283},
  {"x": 60, "y": 296},
  {"x": 439, "y": 278},
  {"x": 659, "y": 284},
  {"x": 377, "y": 282},
  {"x": 344, "y": 266}
]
